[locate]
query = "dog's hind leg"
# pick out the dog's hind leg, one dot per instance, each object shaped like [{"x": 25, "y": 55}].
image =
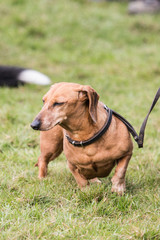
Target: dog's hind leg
[
  {"x": 51, "y": 147},
  {"x": 118, "y": 180}
]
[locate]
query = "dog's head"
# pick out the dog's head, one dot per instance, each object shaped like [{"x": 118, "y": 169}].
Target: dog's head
[{"x": 66, "y": 101}]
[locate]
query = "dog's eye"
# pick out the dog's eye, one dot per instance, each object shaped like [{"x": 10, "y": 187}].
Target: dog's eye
[{"x": 58, "y": 104}]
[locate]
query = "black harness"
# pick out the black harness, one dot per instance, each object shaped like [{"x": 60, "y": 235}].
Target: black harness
[{"x": 138, "y": 138}]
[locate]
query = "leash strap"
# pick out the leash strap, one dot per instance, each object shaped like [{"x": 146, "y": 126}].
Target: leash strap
[
  {"x": 128, "y": 125},
  {"x": 142, "y": 130},
  {"x": 139, "y": 138}
]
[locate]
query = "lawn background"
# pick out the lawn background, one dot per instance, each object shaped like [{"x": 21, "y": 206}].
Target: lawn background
[{"x": 119, "y": 55}]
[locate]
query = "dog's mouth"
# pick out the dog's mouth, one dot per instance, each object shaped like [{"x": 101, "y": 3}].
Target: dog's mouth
[
  {"x": 48, "y": 128},
  {"x": 43, "y": 124}
]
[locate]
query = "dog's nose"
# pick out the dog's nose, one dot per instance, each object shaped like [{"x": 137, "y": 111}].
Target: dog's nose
[{"x": 36, "y": 124}]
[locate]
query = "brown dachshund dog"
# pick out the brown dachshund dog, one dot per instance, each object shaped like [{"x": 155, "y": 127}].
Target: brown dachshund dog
[{"x": 75, "y": 110}]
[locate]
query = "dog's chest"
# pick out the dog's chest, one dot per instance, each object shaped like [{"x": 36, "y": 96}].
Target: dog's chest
[{"x": 90, "y": 162}]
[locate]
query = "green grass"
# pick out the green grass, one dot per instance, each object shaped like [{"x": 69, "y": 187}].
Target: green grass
[{"x": 118, "y": 55}]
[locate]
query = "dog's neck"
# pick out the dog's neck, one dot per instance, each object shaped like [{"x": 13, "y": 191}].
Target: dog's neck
[{"x": 82, "y": 127}]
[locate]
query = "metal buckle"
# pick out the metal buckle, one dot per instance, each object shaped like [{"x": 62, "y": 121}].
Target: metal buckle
[
  {"x": 81, "y": 143},
  {"x": 106, "y": 108}
]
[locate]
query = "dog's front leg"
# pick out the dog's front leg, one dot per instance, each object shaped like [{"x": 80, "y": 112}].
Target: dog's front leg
[
  {"x": 118, "y": 180},
  {"x": 44, "y": 160},
  {"x": 81, "y": 181},
  {"x": 43, "y": 166},
  {"x": 51, "y": 142}
]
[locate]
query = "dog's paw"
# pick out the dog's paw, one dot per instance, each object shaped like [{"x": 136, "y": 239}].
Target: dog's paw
[
  {"x": 85, "y": 189},
  {"x": 118, "y": 185},
  {"x": 119, "y": 188},
  {"x": 42, "y": 175},
  {"x": 95, "y": 180}
]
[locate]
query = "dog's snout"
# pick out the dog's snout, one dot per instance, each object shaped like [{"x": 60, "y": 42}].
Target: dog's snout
[{"x": 36, "y": 124}]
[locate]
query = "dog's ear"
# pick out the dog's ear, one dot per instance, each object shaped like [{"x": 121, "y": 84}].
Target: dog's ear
[{"x": 88, "y": 93}]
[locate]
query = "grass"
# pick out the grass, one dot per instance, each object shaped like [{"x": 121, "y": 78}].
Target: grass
[{"x": 118, "y": 55}]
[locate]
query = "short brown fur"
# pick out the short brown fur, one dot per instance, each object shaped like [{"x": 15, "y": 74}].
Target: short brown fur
[{"x": 75, "y": 109}]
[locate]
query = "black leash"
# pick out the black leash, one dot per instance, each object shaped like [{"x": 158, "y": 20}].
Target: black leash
[
  {"x": 128, "y": 125},
  {"x": 142, "y": 130},
  {"x": 138, "y": 138}
]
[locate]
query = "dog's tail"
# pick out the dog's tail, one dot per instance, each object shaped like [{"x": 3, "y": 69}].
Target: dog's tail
[{"x": 14, "y": 76}]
